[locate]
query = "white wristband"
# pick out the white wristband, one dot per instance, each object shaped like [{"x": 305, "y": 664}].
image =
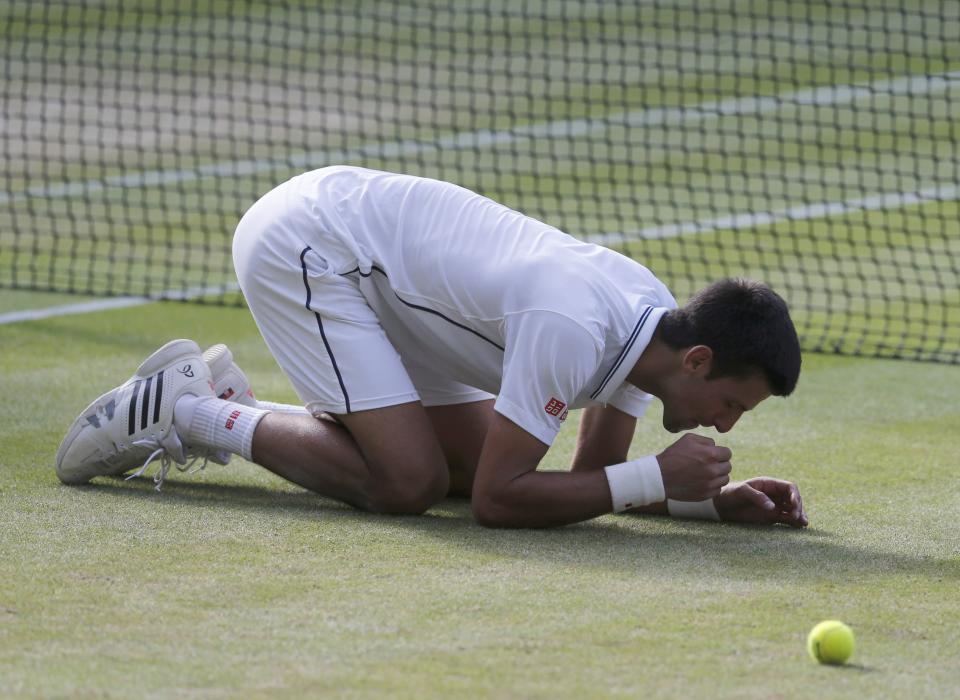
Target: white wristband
[
  {"x": 635, "y": 483},
  {"x": 702, "y": 510}
]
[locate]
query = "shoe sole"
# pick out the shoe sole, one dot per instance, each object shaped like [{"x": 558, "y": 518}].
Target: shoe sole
[{"x": 163, "y": 357}]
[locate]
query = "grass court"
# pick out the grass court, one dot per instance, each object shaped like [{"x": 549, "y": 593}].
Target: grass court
[
  {"x": 232, "y": 583},
  {"x": 811, "y": 144}
]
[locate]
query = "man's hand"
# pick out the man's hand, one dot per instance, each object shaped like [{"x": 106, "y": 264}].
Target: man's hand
[
  {"x": 694, "y": 468},
  {"x": 761, "y": 500}
]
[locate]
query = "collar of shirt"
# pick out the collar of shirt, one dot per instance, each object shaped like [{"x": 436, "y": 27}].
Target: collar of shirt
[{"x": 633, "y": 347}]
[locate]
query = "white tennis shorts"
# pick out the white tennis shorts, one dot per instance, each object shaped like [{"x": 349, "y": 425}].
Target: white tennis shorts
[{"x": 317, "y": 324}]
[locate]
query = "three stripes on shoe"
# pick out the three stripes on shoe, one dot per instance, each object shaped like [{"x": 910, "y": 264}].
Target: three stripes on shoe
[
  {"x": 152, "y": 393},
  {"x": 145, "y": 402}
]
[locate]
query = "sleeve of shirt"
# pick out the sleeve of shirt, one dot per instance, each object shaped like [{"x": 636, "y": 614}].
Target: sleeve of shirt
[
  {"x": 548, "y": 360},
  {"x": 631, "y": 400}
]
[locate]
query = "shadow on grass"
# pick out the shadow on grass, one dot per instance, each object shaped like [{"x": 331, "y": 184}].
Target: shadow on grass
[
  {"x": 853, "y": 668},
  {"x": 736, "y": 551}
]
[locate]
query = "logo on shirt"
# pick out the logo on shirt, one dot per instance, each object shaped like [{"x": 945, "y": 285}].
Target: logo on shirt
[{"x": 556, "y": 407}]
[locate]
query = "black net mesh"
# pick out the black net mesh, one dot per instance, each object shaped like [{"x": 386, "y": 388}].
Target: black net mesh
[{"x": 813, "y": 145}]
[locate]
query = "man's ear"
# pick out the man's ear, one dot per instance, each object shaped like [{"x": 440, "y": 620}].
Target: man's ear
[{"x": 698, "y": 360}]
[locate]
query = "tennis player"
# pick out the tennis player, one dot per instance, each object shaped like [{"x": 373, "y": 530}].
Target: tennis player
[{"x": 438, "y": 340}]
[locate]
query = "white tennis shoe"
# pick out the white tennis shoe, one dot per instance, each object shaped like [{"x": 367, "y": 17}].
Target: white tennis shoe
[
  {"x": 229, "y": 384},
  {"x": 229, "y": 381},
  {"x": 132, "y": 425}
]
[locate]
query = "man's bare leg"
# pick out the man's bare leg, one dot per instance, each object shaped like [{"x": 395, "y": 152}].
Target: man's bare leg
[
  {"x": 385, "y": 460},
  {"x": 461, "y": 430}
]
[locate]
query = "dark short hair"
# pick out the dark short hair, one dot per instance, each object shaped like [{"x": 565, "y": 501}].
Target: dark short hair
[{"x": 747, "y": 326}]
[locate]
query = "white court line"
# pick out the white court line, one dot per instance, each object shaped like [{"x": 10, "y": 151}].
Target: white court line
[
  {"x": 803, "y": 212},
  {"x": 886, "y": 200},
  {"x": 87, "y": 307},
  {"x": 910, "y": 85}
]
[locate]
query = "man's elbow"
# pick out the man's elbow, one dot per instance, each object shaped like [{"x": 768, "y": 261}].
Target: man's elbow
[{"x": 489, "y": 513}]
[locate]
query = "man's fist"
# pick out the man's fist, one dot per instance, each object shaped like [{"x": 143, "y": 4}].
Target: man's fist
[{"x": 694, "y": 468}]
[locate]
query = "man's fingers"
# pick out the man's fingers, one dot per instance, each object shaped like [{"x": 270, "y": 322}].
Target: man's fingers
[
  {"x": 801, "y": 516},
  {"x": 785, "y": 497},
  {"x": 798, "y": 499},
  {"x": 721, "y": 453},
  {"x": 772, "y": 487},
  {"x": 699, "y": 439},
  {"x": 758, "y": 498},
  {"x": 794, "y": 500},
  {"x": 791, "y": 502},
  {"x": 714, "y": 485},
  {"x": 718, "y": 476},
  {"x": 791, "y": 505},
  {"x": 784, "y": 493},
  {"x": 789, "y": 519},
  {"x": 719, "y": 469}
]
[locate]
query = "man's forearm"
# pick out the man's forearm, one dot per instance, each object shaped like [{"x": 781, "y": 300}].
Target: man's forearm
[
  {"x": 543, "y": 499},
  {"x": 508, "y": 491},
  {"x": 604, "y": 438}
]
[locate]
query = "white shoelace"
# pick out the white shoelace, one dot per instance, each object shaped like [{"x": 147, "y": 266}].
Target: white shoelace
[{"x": 166, "y": 461}]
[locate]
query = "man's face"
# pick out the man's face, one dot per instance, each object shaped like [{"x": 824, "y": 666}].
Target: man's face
[{"x": 694, "y": 401}]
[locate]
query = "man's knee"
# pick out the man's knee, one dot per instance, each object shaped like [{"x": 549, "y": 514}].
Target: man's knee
[{"x": 408, "y": 492}]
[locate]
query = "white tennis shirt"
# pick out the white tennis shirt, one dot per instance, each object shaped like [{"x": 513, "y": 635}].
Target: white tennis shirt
[{"x": 487, "y": 296}]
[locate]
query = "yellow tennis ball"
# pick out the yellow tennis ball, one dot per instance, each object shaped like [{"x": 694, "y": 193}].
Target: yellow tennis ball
[{"x": 830, "y": 642}]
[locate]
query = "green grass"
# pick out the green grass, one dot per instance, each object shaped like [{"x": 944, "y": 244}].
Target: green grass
[{"x": 232, "y": 583}]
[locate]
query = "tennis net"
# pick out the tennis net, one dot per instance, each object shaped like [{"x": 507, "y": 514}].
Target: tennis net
[{"x": 813, "y": 145}]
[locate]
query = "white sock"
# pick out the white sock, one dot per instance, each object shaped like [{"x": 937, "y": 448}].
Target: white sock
[
  {"x": 282, "y": 407},
  {"x": 211, "y": 422}
]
